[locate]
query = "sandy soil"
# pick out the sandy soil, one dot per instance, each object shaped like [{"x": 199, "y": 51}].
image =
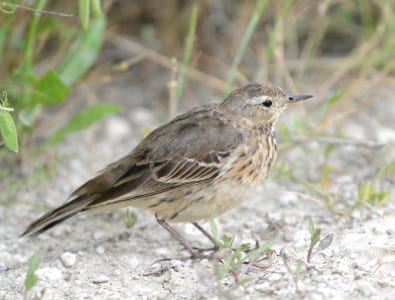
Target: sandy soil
[{"x": 95, "y": 257}]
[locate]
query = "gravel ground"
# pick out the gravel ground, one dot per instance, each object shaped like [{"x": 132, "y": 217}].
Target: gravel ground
[{"x": 95, "y": 257}]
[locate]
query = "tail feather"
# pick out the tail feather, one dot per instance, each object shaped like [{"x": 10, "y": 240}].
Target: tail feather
[{"x": 58, "y": 215}]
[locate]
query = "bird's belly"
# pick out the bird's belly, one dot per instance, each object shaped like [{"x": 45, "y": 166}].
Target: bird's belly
[
  {"x": 201, "y": 202},
  {"x": 210, "y": 199},
  {"x": 206, "y": 200}
]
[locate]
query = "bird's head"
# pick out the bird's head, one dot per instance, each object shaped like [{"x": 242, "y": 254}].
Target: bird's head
[{"x": 261, "y": 104}]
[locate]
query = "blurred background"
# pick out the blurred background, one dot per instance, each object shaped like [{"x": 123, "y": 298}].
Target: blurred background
[
  {"x": 66, "y": 65},
  {"x": 82, "y": 82}
]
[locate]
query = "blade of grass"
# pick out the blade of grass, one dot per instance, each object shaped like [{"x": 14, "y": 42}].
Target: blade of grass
[
  {"x": 82, "y": 52},
  {"x": 3, "y": 33},
  {"x": 84, "y": 11},
  {"x": 8, "y": 130},
  {"x": 25, "y": 70},
  {"x": 7, "y": 124},
  {"x": 187, "y": 57},
  {"x": 96, "y": 8},
  {"x": 31, "y": 278},
  {"x": 84, "y": 119},
  {"x": 259, "y": 7}
]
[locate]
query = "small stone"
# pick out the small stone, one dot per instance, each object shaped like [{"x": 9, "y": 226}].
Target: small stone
[
  {"x": 49, "y": 274},
  {"x": 68, "y": 259},
  {"x": 365, "y": 288},
  {"x": 386, "y": 135},
  {"x": 133, "y": 262},
  {"x": 60, "y": 231},
  {"x": 101, "y": 279},
  {"x": 100, "y": 250},
  {"x": 142, "y": 116},
  {"x": 205, "y": 262},
  {"x": 117, "y": 127},
  {"x": 8, "y": 259},
  {"x": 98, "y": 235},
  {"x": 274, "y": 277}
]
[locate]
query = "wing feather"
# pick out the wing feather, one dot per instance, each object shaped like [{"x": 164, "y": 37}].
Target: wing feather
[{"x": 190, "y": 149}]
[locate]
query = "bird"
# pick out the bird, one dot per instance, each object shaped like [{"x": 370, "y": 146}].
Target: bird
[{"x": 202, "y": 163}]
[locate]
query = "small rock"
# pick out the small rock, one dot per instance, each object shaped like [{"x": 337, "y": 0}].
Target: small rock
[
  {"x": 386, "y": 135},
  {"x": 98, "y": 235},
  {"x": 162, "y": 251},
  {"x": 49, "y": 274},
  {"x": 365, "y": 288},
  {"x": 142, "y": 116},
  {"x": 100, "y": 250},
  {"x": 205, "y": 262},
  {"x": 9, "y": 259},
  {"x": 116, "y": 127},
  {"x": 60, "y": 231},
  {"x": 274, "y": 277},
  {"x": 133, "y": 262},
  {"x": 68, "y": 259},
  {"x": 101, "y": 279}
]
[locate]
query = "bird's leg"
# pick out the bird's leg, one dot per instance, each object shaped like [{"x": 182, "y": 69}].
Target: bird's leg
[
  {"x": 179, "y": 238},
  {"x": 207, "y": 235}
]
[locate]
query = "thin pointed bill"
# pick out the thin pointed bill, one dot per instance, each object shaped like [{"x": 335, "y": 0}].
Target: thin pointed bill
[{"x": 296, "y": 98}]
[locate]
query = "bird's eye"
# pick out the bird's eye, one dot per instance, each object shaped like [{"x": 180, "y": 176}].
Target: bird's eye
[{"x": 267, "y": 103}]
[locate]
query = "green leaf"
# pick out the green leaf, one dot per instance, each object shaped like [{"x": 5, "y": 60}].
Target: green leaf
[
  {"x": 96, "y": 8},
  {"x": 84, "y": 119},
  {"x": 8, "y": 130},
  {"x": 31, "y": 278},
  {"x": 28, "y": 114},
  {"x": 311, "y": 227},
  {"x": 3, "y": 34},
  {"x": 245, "y": 39},
  {"x": 130, "y": 219},
  {"x": 83, "y": 9},
  {"x": 187, "y": 52},
  {"x": 214, "y": 232},
  {"x": 325, "y": 242},
  {"x": 256, "y": 252},
  {"x": 82, "y": 52},
  {"x": 50, "y": 89}
]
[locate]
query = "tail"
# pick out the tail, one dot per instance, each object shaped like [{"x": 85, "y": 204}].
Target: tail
[{"x": 58, "y": 215}]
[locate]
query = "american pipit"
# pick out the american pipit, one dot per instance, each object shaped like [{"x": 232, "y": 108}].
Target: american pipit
[{"x": 205, "y": 161}]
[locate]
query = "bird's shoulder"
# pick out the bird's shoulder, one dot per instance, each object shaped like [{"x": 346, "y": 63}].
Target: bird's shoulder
[
  {"x": 190, "y": 148},
  {"x": 195, "y": 134}
]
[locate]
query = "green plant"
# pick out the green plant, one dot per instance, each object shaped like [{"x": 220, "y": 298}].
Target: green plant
[
  {"x": 30, "y": 90},
  {"x": 130, "y": 219},
  {"x": 370, "y": 192},
  {"x": 235, "y": 258},
  {"x": 84, "y": 119},
  {"x": 7, "y": 125},
  {"x": 315, "y": 238},
  {"x": 296, "y": 273},
  {"x": 175, "y": 96},
  {"x": 31, "y": 278},
  {"x": 253, "y": 21}
]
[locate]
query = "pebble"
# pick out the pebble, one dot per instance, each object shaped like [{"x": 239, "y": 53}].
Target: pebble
[
  {"x": 100, "y": 250},
  {"x": 9, "y": 259},
  {"x": 274, "y": 277},
  {"x": 365, "y": 288},
  {"x": 98, "y": 235},
  {"x": 386, "y": 135},
  {"x": 142, "y": 116},
  {"x": 68, "y": 259},
  {"x": 49, "y": 274},
  {"x": 117, "y": 127},
  {"x": 101, "y": 279}
]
